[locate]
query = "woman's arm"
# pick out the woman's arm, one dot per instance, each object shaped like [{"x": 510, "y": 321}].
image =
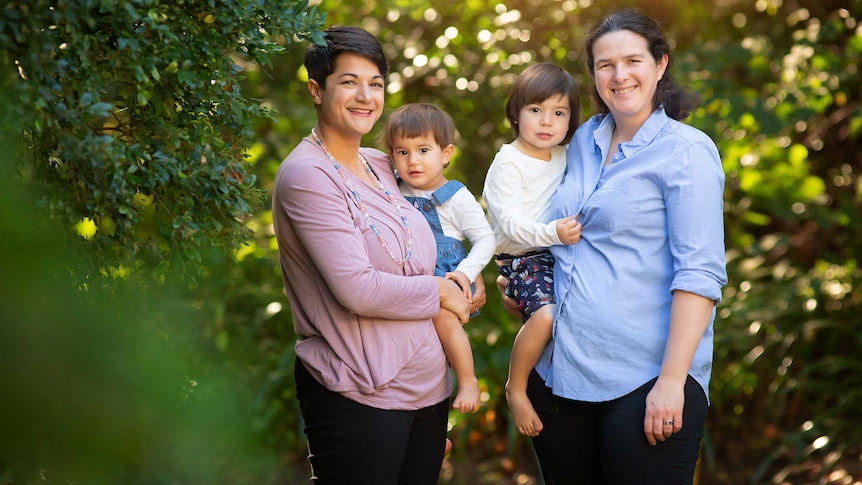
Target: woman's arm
[
  {"x": 317, "y": 212},
  {"x": 689, "y": 318},
  {"x": 695, "y": 224}
]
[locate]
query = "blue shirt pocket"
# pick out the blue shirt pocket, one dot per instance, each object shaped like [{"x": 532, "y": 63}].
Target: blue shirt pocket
[{"x": 612, "y": 209}]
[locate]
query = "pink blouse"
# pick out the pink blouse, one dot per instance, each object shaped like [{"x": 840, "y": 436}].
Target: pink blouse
[{"x": 363, "y": 321}]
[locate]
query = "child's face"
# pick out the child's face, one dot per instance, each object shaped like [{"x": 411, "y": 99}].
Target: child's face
[
  {"x": 542, "y": 126},
  {"x": 419, "y": 161}
]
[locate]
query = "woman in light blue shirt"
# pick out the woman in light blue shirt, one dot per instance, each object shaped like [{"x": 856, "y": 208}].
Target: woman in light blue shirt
[{"x": 622, "y": 388}]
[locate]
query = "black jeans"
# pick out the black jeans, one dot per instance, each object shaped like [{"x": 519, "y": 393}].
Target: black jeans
[
  {"x": 351, "y": 443},
  {"x": 604, "y": 443}
]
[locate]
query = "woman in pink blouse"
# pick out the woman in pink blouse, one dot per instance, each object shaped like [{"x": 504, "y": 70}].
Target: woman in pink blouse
[{"x": 358, "y": 264}]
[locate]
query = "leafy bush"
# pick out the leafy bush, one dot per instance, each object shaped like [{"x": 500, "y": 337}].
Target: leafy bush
[
  {"x": 136, "y": 121},
  {"x": 124, "y": 179}
]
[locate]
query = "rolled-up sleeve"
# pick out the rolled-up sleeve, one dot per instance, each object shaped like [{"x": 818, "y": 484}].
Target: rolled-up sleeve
[{"x": 694, "y": 204}]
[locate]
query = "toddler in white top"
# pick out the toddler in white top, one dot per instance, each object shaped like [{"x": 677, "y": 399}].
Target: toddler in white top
[{"x": 542, "y": 109}]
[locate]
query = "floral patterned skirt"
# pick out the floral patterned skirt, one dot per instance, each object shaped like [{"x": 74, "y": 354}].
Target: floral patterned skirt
[{"x": 531, "y": 279}]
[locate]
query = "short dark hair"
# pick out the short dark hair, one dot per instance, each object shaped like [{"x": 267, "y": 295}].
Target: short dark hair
[
  {"x": 340, "y": 39},
  {"x": 537, "y": 83},
  {"x": 677, "y": 102},
  {"x": 418, "y": 119}
]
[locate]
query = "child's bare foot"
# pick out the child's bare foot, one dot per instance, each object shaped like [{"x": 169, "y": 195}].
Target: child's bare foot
[
  {"x": 526, "y": 419},
  {"x": 467, "y": 398},
  {"x": 448, "y": 447}
]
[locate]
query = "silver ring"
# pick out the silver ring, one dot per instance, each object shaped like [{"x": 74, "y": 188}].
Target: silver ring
[{"x": 668, "y": 423}]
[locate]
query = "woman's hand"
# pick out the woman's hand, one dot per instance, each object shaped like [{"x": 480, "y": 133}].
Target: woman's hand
[
  {"x": 479, "y": 294},
  {"x": 664, "y": 405},
  {"x": 453, "y": 299},
  {"x": 509, "y": 304},
  {"x": 461, "y": 280}
]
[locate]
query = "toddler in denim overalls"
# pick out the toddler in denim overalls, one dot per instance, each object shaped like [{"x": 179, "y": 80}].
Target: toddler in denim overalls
[{"x": 419, "y": 138}]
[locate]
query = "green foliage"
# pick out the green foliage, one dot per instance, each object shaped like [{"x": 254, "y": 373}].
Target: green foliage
[
  {"x": 130, "y": 163},
  {"x": 108, "y": 387},
  {"x": 136, "y": 121},
  {"x": 782, "y": 105}
]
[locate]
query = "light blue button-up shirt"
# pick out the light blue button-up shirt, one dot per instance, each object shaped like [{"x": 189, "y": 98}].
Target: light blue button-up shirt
[{"x": 652, "y": 224}]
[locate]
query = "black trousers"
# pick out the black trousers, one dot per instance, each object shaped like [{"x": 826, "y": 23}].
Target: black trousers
[
  {"x": 353, "y": 444},
  {"x": 604, "y": 443}
]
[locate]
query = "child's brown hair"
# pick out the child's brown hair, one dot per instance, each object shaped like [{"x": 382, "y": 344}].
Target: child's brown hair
[
  {"x": 537, "y": 83},
  {"x": 418, "y": 119}
]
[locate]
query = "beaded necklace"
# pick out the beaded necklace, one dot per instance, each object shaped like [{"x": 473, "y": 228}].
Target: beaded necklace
[{"x": 355, "y": 195}]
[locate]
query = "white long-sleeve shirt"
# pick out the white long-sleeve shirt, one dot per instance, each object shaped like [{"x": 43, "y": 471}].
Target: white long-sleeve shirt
[
  {"x": 517, "y": 193},
  {"x": 462, "y": 217}
]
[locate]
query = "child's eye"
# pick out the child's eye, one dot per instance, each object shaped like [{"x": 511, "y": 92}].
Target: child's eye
[
  {"x": 423, "y": 150},
  {"x": 401, "y": 152},
  {"x": 560, "y": 113}
]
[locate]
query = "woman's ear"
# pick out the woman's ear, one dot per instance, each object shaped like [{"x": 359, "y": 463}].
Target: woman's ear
[
  {"x": 662, "y": 66},
  {"x": 315, "y": 90}
]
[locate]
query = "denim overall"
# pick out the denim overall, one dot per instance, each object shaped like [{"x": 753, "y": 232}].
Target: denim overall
[{"x": 450, "y": 251}]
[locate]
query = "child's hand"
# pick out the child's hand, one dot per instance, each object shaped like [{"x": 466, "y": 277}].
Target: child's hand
[
  {"x": 569, "y": 230},
  {"x": 461, "y": 280}
]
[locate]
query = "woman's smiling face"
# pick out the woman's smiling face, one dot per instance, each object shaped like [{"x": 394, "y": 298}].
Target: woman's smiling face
[
  {"x": 626, "y": 74},
  {"x": 352, "y": 100}
]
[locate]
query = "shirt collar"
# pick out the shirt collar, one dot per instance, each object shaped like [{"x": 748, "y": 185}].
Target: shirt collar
[{"x": 645, "y": 135}]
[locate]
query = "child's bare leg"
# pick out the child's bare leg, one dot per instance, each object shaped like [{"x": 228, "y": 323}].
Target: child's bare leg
[
  {"x": 526, "y": 351},
  {"x": 457, "y": 348}
]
